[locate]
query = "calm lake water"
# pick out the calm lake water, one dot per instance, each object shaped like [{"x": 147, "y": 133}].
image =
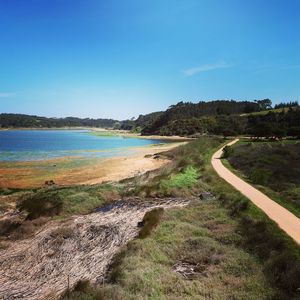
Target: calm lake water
[{"x": 27, "y": 145}]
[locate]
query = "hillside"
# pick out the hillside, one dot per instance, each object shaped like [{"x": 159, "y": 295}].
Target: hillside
[
  {"x": 227, "y": 118},
  {"x": 188, "y": 110}
]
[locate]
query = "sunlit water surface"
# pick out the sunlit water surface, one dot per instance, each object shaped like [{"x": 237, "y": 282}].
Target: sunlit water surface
[{"x": 28, "y": 145}]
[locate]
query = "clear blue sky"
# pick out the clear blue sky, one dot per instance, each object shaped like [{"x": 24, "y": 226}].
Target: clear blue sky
[{"x": 119, "y": 58}]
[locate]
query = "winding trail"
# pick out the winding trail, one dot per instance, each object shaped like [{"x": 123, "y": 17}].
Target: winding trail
[{"x": 284, "y": 218}]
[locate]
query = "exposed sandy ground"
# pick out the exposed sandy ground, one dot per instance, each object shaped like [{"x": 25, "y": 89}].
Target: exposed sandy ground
[
  {"x": 284, "y": 218},
  {"x": 65, "y": 171},
  {"x": 115, "y": 169},
  {"x": 127, "y": 133},
  {"x": 61, "y": 254}
]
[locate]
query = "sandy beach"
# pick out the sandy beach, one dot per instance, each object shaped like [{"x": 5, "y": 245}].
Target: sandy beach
[
  {"x": 118, "y": 168},
  {"x": 70, "y": 170}
]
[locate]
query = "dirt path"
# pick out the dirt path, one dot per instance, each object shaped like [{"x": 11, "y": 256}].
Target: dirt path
[
  {"x": 60, "y": 254},
  {"x": 284, "y": 218}
]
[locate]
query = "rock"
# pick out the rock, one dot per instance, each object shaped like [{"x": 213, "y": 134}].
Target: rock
[{"x": 207, "y": 196}]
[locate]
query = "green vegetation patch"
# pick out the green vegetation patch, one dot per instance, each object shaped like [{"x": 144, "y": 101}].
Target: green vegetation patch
[
  {"x": 66, "y": 201},
  {"x": 186, "y": 179},
  {"x": 184, "y": 176},
  {"x": 41, "y": 204},
  {"x": 192, "y": 254},
  {"x": 104, "y": 133},
  {"x": 202, "y": 234},
  {"x": 273, "y": 166}
]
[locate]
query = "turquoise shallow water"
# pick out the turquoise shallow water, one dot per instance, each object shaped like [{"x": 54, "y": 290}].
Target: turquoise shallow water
[{"x": 27, "y": 145}]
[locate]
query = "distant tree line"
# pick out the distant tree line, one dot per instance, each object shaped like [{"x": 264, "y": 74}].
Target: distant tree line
[
  {"x": 26, "y": 121},
  {"x": 286, "y": 104}
]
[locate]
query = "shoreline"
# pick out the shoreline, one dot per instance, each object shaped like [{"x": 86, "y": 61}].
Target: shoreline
[
  {"x": 118, "y": 168},
  {"x": 75, "y": 171},
  {"x": 124, "y": 133}
]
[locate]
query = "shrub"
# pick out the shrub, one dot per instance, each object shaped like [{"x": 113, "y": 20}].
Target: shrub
[
  {"x": 7, "y": 226},
  {"x": 260, "y": 176},
  {"x": 44, "y": 203},
  {"x": 18, "y": 228},
  {"x": 280, "y": 264},
  {"x": 227, "y": 151},
  {"x": 150, "y": 221},
  {"x": 284, "y": 271},
  {"x": 82, "y": 286},
  {"x": 238, "y": 207}
]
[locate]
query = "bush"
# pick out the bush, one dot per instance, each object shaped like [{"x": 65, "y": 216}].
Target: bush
[
  {"x": 284, "y": 271},
  {"x": 8, "y": 226},
  {"x": 227, "y": 151},
  {"x": 17, "y": 228},
  {"x": 260, "y": 176},
  {"x": 150, "y": 221},
  {"x": 281, "y": 266},
  {"x": 82, "y": 286},
  {"x": 44, "y": 203},
  {"x": 238, "y": 207}
]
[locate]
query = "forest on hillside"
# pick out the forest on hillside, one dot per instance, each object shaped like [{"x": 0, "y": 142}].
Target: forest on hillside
[
  {"x": 227, "y": 118},
  {"x": 271, "y": 124},
  {"x": 220, "y": 117}
]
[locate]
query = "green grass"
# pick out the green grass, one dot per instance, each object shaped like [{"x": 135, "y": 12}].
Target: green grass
[
  {"x": 202, "y": 236},
  {"x": 112, "y": 133},
  {"x": 41, "y": 205},
  {"x": 66, "y": 201},
  {"x": 273, "y": 167},
  {"x": 264, "y": 112},
  {"x": 237, "y": 252},
  {"x": 105, "y": 133},
  {"x": 7, "y": 191},
  {"x": 184, "y": 176},
  {"x": 184, "y": 180}
]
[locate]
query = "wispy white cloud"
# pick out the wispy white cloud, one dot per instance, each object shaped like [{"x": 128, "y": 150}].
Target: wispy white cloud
[
  {"x": 205, "y": 68},
  {"x": 6, "y": 95}
]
